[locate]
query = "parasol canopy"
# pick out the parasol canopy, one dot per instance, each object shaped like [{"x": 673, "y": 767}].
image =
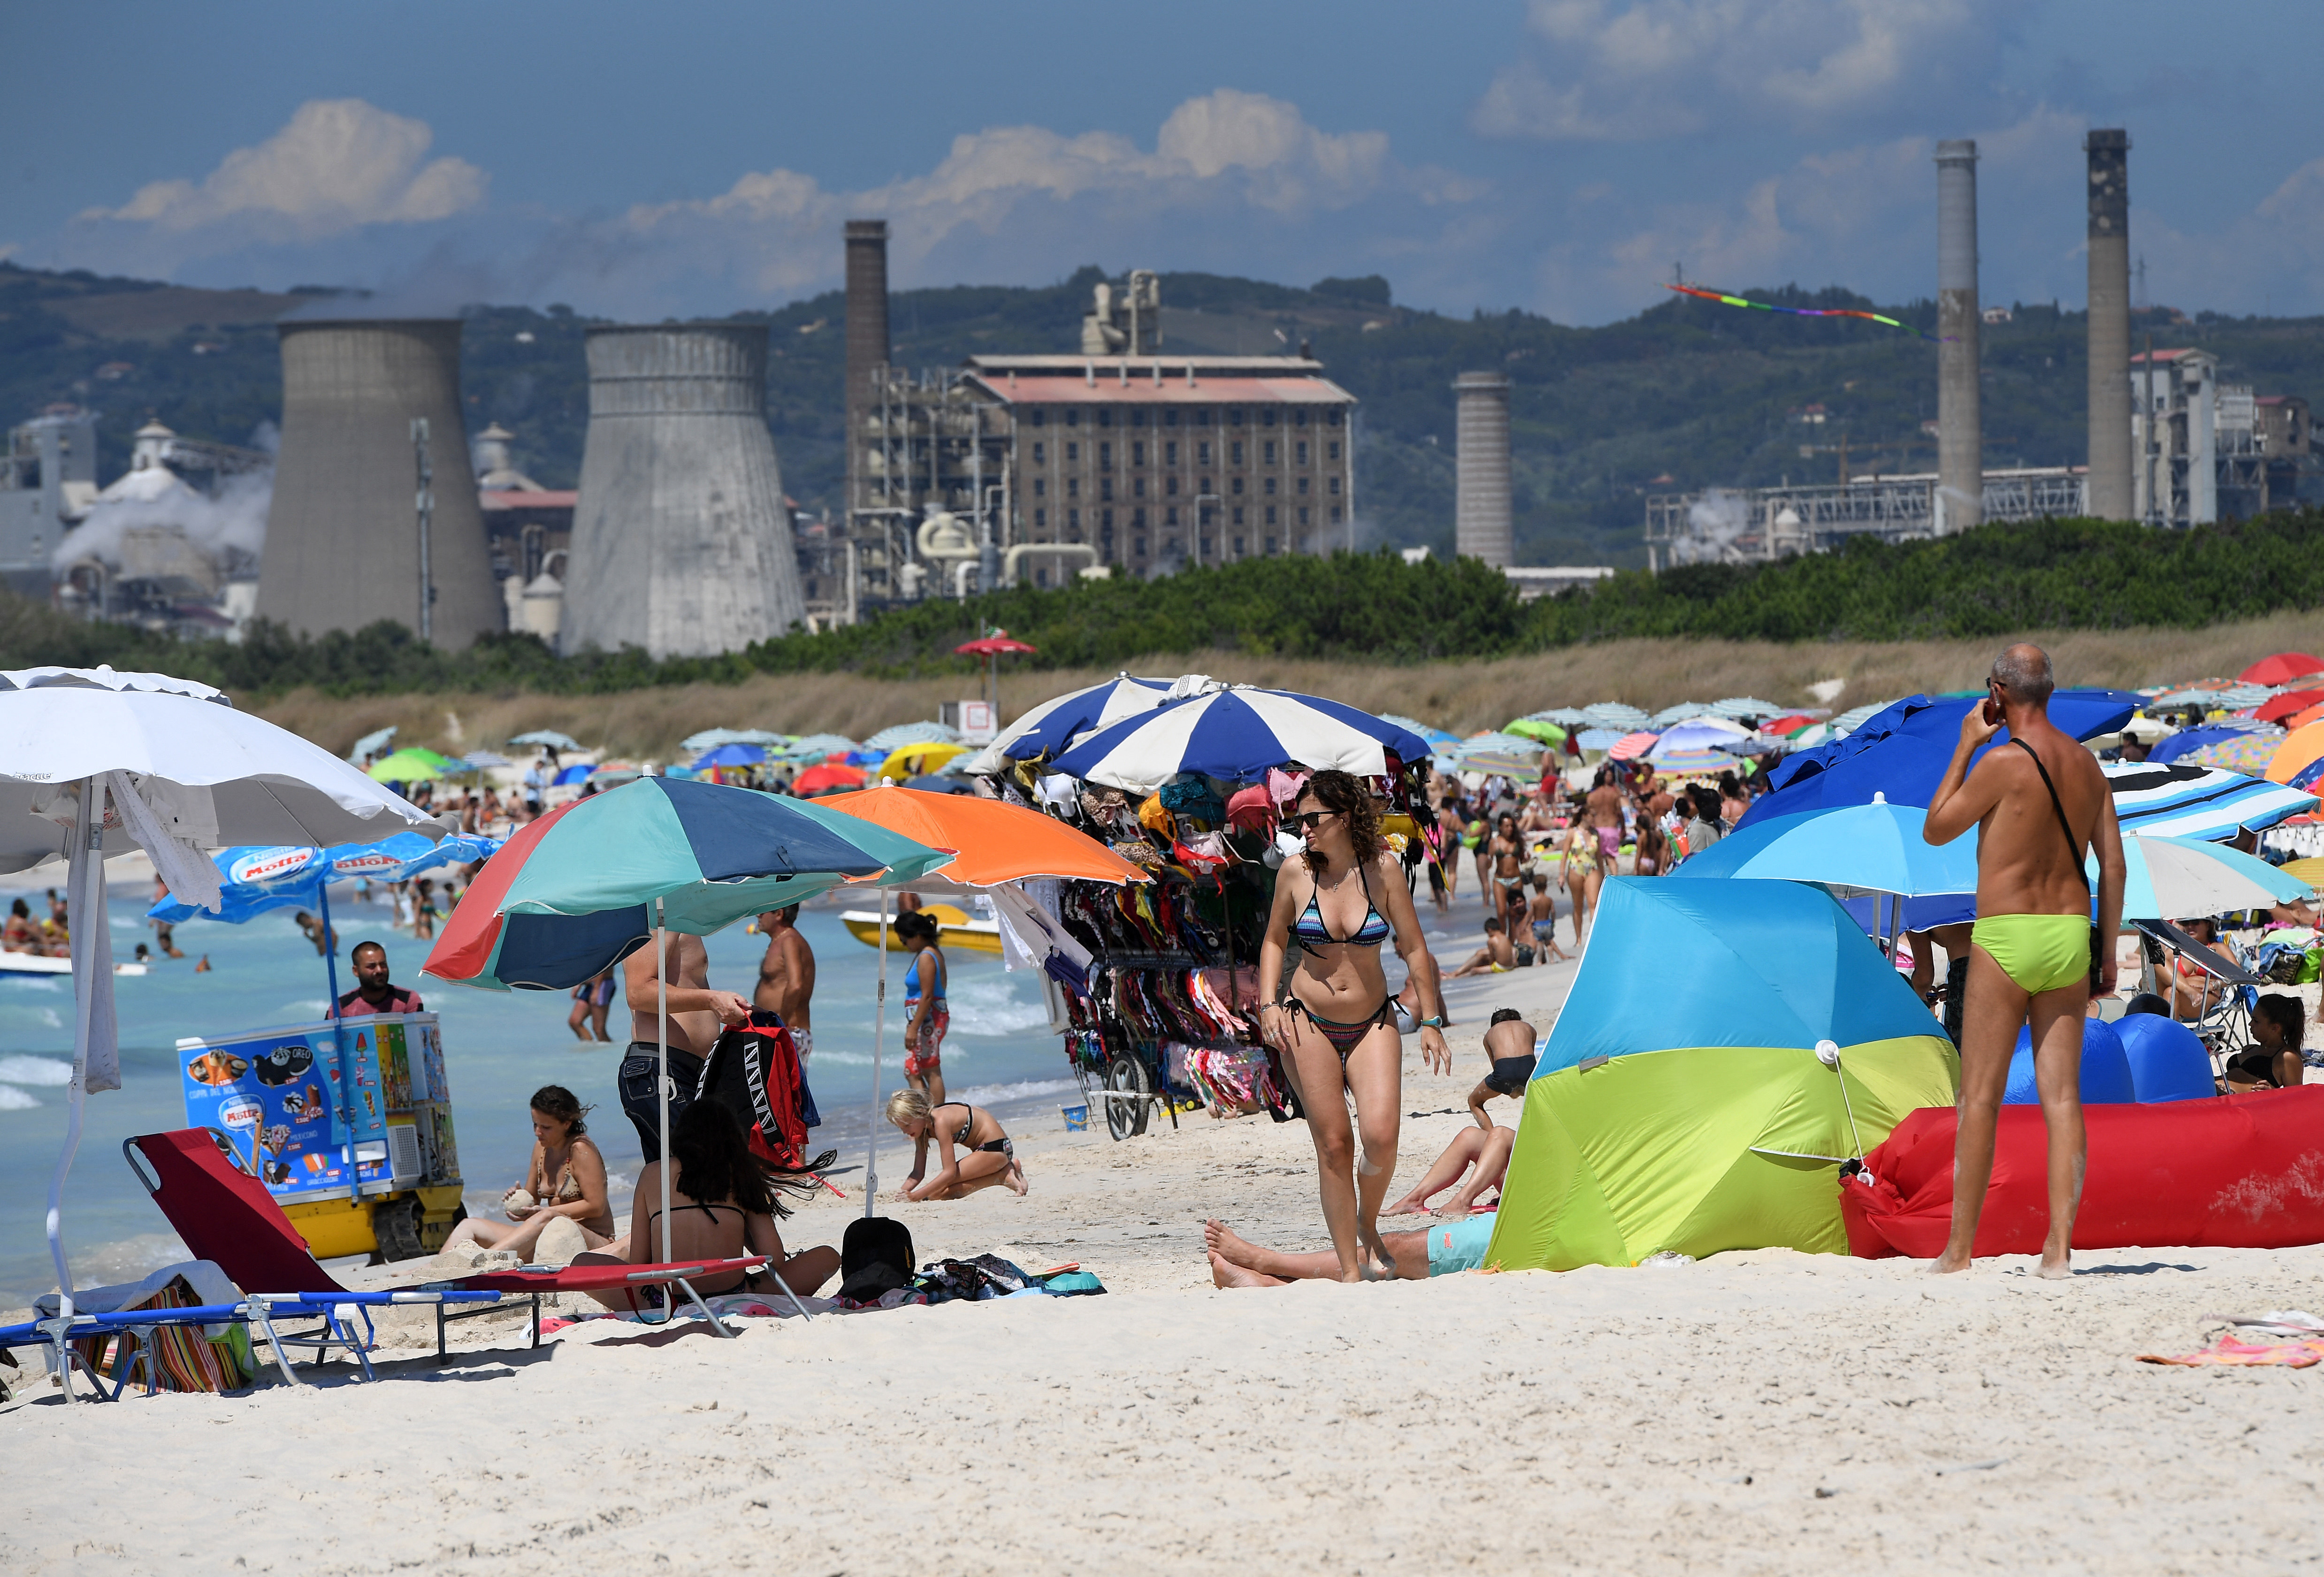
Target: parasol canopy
[
  {"x": 2281, "y": 668},
  {"x": 1236, "y": 733}
]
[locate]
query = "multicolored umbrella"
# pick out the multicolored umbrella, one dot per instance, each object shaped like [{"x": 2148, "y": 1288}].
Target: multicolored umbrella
[
  {"x": 576, "y": 891},
  {"x": 2238, "y": 752}
]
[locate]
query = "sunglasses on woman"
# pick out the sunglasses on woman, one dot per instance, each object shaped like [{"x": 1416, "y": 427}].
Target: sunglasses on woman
[{"x": 1306, "y": 819}]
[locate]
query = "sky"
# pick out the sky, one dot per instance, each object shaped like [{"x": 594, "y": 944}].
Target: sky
[{"x": 1562, "y": 156}]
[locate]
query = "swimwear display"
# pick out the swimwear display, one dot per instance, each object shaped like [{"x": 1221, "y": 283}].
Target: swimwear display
[
  {"x": 2040, "y": 952},
  {"x": 1510, "y": 1074},
  {"x": 1459, "y": 1245}
]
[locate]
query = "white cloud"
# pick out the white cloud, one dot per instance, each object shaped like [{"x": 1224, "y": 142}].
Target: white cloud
[
  {"x": 1625, "y": 70},
  {"x": 339, "y": 164}
]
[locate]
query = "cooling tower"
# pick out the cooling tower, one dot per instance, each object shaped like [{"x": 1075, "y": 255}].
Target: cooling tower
[
  {"x": 342, "y": 534},
  {"x": 2109, "y": 330},
  {"x": 681, "y": 543},
  {"x": 1960, "y": 431},
  {"x": 867, "y": 334},
  {"x": 1480, "y": 458}
]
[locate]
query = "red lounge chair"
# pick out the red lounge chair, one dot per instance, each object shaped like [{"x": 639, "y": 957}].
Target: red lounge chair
[{"x": 226, "y": 1215}]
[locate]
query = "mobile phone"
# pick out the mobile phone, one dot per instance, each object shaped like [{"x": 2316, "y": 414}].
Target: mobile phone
[{"x": 1991, "y": 712}]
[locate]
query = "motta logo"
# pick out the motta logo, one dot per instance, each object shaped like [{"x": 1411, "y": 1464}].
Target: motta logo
[
  {"x": 364, "y": 865},
  {"x": 241, "y": 1113},
  {"x": 270, "y": 864}
]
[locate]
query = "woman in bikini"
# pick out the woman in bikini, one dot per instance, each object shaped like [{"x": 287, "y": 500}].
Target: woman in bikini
[
  {"x": 723, "y": 1204},
  {"x": 1331, "y": 1017},
  {"x": 928, "y": 1016},
  {"x": 567, "y": 1180},
  {"x": 1577, "y": 870},
  {"x": 987, "y": 1156}
]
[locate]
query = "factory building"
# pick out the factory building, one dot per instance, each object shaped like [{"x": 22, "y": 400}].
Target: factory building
[
  {"x": 2203, "y": 450},
  {"x": 527, "y": 534},
  {"x": 48, "y": 482},
  {"x": 1034, "y": 468}
]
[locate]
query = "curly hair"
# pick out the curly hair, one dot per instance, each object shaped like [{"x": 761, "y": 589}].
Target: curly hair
[
  {"x": 559, "y": 1105},
  {"x": 1343, "y": 792}
]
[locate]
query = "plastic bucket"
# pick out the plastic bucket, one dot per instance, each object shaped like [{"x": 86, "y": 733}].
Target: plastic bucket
[{"x": 1076, "y": 1118}]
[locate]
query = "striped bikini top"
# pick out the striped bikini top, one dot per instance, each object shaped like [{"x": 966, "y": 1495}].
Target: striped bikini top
[{"x": 1312, "y": 933}]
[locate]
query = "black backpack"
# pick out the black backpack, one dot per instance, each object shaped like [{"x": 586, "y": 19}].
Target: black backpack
[{"x": 875, "y": 1256}]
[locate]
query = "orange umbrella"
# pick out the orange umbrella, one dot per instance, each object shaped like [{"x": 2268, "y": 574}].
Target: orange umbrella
[
  {"x": 2299, "y": 720},
  {"x": 997, "y": 842},
  {"x": 2298, "y": 750}
]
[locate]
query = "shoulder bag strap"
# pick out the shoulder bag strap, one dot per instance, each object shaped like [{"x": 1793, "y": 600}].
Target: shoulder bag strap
[{"x": 2056, "y": 805}]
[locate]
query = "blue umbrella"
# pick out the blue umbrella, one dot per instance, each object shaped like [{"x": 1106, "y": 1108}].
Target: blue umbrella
[
  {"x": 578, "y": 774},
  {"x": 1235, "y": 733},
  {"x": 2189, "y": 740},
  {"x": 731, "y": 755},
  {"x": 2083, "y": 714},
  {"x": 1051, "y": 726},
  {"x": 1856, "y": 850}
]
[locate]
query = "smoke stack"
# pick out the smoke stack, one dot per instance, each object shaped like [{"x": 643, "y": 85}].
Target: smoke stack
[
  {"x": 1961, "y": 430},
  {"x": 681, "y": 542},
  {"x": 2109, "y": 329},
  {"x": 867, "y": 332},
  {"x": 342, "y": 533},
  {"x": 1480, "y": 461}
]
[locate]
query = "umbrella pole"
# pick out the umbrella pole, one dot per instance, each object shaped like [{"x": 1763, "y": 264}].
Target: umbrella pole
[
  {"x": 661, "y": 1050},
  {"x": 878, "y": 1044},
  {"x": 90, "y": 852},
  {"x": 338, "y": 1032}
]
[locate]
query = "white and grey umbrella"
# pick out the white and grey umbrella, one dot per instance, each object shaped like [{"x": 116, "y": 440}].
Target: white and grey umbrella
[{"x": 94, "y": 762}]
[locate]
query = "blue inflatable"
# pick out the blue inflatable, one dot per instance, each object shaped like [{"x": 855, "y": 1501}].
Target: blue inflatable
[
  {"x": 2106, "y": 1068},
  {"x": 2167, "y": 1062}
]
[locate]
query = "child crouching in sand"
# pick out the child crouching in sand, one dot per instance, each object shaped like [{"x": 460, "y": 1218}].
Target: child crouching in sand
[{"x": 989, "y": 1158}]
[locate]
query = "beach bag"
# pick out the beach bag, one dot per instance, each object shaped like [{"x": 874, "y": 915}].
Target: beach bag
[
  {"x": 875, "y": 1258},
  {"x": 753, "y": 1071}
]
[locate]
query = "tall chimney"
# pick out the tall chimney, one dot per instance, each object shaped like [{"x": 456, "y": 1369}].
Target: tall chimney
[
  {"x": 2109, "y": 331},
  {"x": 1480, "y": 468},
  {"x": 867, "y": 335},
  {"x": 1960, "y": 431}
]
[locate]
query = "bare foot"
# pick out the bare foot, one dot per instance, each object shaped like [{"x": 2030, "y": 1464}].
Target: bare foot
[
  {"x": 1225, "y": 1272},
  {"x": 1948, "y": 1263},
  {"x": 1455, "y": 1210},
  {"x": 1015, "y": 1178},
  {"x": 1222, "y": 1241},
  {"x": 1411, "y": 1205},
  {"x": 2062, "y": 1269},
  {"x": 1373, "y": 1254}
]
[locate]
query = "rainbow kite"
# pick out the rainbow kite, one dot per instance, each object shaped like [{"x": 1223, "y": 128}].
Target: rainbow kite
[{"x": 1726, "y": 300}]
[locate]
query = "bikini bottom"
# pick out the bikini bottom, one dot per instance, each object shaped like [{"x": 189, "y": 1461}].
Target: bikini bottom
[{"x": 1343, "y": 1037}]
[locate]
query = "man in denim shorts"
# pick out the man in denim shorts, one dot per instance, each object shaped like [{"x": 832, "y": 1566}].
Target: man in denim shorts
[{"x": 695, "y": 1013}]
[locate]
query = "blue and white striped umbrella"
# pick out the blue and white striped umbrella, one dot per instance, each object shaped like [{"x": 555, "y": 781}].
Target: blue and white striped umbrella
[
  {"x": 1236, "y": 734},
  {"x": 1680, "y": 712},
  {"x": 1747, "y": 707},
  {"x": 2184, "y": 801},
  {"x": 1056, "y": 724},
  {"x": 1564, "y": 716}
]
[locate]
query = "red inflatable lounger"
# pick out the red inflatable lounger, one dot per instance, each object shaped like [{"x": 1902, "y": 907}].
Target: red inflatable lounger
[{"x": 2234, "y": 1172}]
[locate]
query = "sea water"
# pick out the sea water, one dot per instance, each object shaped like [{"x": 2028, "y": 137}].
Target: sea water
[{"x": 499, "y": 1046}]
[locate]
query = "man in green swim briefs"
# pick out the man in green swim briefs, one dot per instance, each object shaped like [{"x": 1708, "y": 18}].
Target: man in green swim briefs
[{"x": 2037, "y": 802}]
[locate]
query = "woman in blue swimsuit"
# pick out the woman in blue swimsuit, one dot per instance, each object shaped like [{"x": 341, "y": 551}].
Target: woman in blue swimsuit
[{"x": 1332, "y": 1017}]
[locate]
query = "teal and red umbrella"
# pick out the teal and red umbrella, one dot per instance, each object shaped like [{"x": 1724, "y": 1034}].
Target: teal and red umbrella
[{"x": 577, "y": 892}]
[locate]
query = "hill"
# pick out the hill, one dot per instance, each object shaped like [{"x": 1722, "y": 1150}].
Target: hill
[{"x": 1684, "y": 395}]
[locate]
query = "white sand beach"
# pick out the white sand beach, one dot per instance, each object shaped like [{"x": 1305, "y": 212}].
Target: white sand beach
[{"x": 1761, "y": 1412}]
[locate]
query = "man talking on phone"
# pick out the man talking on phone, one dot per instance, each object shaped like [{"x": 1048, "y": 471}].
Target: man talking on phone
[{"x": 2037, "y": 802}]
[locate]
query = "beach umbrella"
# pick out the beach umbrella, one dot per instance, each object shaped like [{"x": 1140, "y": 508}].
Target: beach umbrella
[
  {"x": 913, "y": 761},
  {"x": 2282, "y": 669},
  {"x": 710, "y": 739},
  {"x": 1855, "y": 717},
  {"x": 479, "y": 761},
  {"x": 1615, "y": 714},
  {"x": 2186, "y": 740},
  {"x": 1740, "y": 706},
  {"x": 829, "y": 775},
  {"x": 576, "y": 773},
  {"x": 817, "y": 747},
  {"x": 1631, "y": 746},
  {"x": 2238, "y": 752},
  {"x": 992, "y": 647},
  {"x": 1701, "y": 733},
  {"x": 412, "y": 764},
  {"x": 903, "y": 734},
  {"x": 1236, "y": 733},
  {"x": 1599, "y": 739},
  {"x": 613, "y": 774},
  {"x": 1852, "y": 849},
  {"x": 2083, "y": 714},
  {"x": 549, "y": 737},
  {"x": 93, "y": 762},
  {"x": 731, "y": 754},
  {"x": 586, "y": 885},
  {"x": 2279, "y": 707},
  {"x": 370, "y": 745},
  {"x": 1712, "y": 1111},
  {"x": 1564, "y": 716},
  {"x": 2170, "y": 879},
  {"x": 2302, "y": 747},
  {"x": 1548, "y": 733},
  {"x": 1442, "y": 739},
  {"x": 1680, "y": 713},
  {"x": 1790, "y": 723},
  {"x": 1054, "y": 723},
  {"x": 2182, "y": 800},
  {"x": 998, "y": 844}
]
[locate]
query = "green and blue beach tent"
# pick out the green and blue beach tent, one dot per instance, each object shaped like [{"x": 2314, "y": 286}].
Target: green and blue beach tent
[{"x": 1681, "y": 1105}]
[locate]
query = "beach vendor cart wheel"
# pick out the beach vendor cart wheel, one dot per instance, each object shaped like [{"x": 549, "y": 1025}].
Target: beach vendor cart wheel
[
  {"x": 395, "y": 1227},
  {"x": 1127, "y": 1075}
]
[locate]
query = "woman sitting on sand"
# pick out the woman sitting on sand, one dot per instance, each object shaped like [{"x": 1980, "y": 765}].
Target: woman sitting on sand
[
  {"x": 565, "y": 1182},
  {"x": 988, "y": 1156},
  {"x": 1330, "y": 1014},
  {"x": 723, "y": 1202}
]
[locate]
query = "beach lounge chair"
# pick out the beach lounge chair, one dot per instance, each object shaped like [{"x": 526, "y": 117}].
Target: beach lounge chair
[{"x": 226, "y": 1215}]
